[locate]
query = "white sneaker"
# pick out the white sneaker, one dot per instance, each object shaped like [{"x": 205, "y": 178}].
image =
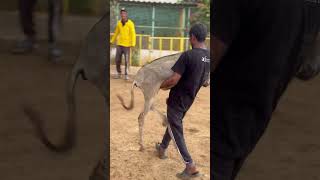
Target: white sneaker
[
  {"x": 126, "y": 77},
  {"x": 117, "y": 76}
]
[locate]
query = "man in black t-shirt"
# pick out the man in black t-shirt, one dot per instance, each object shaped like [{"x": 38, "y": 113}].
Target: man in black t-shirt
[
  {"x": 255, "y": 51},
  {"x": 191, "y": 71}
]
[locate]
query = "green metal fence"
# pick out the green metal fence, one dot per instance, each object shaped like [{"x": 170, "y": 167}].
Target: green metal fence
[{"x": 155, "y": 19}]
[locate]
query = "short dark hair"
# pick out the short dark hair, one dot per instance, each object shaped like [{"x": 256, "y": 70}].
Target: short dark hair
[{"x": 199, "y": 31}]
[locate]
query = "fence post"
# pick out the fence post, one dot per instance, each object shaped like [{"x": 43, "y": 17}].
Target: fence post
[
  {"x": 160, "y": 45},
  {"x": 66, "y": 6},
  {"x": 140, "y": 46},
  {"x": 181, "y": 44},
  {"x": 130, "y": 58},
  {"x": 149, "y": 47},
  {"x": 140, "y": 41}
]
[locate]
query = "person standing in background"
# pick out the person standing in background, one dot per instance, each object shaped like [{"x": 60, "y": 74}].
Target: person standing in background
[
  {"x": 26, "y": 9},
  {"x": 125, "y": 35}
]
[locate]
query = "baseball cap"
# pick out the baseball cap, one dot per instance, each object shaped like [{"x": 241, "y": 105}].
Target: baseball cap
[{"x": 123, "y": 9}]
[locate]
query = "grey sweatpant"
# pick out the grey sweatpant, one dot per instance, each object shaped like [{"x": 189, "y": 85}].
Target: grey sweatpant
[
  {"x": 126, "y": 52},
  {"x": 26, "y": 9},
  {"x": 175, "y": 126}
]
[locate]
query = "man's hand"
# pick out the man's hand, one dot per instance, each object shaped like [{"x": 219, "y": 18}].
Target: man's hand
[
  {"x": 171, "y": 81},
  {"x": 206, "y": 84},
  {"x": 219, "y": 49},
  {"x": 165, "y": 89}
]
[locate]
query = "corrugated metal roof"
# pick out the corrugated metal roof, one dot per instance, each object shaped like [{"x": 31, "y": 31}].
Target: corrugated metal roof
[{"x": 156, "y": 1}]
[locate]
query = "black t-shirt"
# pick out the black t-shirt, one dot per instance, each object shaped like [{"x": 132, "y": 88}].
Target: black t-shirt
[
  {"x": 194, "y": 68},
  {"x": 263, "y": 39}
]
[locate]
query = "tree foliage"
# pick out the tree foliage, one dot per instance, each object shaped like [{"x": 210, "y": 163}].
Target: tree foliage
[
  {"x": 201, "y": 14},
  {"x": 113, "y": 13}
]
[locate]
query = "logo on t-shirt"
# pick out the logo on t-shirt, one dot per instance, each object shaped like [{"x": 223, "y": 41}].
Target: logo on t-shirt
[{"x": 205, "y": 59}]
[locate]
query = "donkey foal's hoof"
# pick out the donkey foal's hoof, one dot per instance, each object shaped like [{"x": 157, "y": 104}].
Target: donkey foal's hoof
[
  {"x": 141, "y": 149},
  {"x": 164, "y": 123}
]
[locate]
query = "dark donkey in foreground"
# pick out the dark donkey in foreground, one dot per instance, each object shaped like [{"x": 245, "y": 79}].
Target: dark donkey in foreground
[
  {"x": 310, "y": 66},
  {"x": 310, "y": 54},
  {"x": 93, "y": 65}
]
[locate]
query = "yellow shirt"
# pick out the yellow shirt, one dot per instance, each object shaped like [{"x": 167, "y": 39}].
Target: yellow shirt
[{"x": 126, "y": 33}]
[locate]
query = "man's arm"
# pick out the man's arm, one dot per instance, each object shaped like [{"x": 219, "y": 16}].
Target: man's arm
[
  {"x": 133, "y": 35},
  {"x": 116, "y": 32},
  {"x": 219, "y": 49},
  {"x": 178, "y": 70},
  {"x": 225, "y": 27},
  {"x": 171, "y": 81}
]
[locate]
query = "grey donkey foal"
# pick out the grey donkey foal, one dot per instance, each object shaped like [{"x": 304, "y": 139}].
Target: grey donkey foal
[
  {"x": 93, "y": 65},
  {"x": 149, "y": 79}
]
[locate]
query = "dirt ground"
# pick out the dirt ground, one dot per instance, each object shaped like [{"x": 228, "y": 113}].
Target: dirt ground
[
  {"x": 127, "y": 162},
  {"x": 290, "y": 148}
]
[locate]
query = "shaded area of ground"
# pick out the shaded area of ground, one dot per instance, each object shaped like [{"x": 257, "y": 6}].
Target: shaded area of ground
[
  {"x": 290, "y": 149},
  {"x": 33, "y": 79}
]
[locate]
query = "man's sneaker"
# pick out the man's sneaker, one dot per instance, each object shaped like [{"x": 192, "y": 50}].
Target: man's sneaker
[
  {"x": 161, "y": 152},
  {"x": 54, "y": 53},
  {"x": 189, "y": 172},
  {"x": 24, "y": 46},
  {"x": 126, "y": 77},
  {"x": 117, "y": 76}
]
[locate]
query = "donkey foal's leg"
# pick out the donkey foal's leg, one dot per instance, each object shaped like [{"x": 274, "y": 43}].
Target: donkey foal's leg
[
  {"x": 141, "y": 122},
  {"x": 147, "y": 105},
  {"x": 163, "y": 116},
  {"x": 98, "y": 172}
]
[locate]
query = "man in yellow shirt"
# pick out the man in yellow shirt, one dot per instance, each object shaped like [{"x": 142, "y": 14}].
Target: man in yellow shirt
[{"x": 125, "y": 35}]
